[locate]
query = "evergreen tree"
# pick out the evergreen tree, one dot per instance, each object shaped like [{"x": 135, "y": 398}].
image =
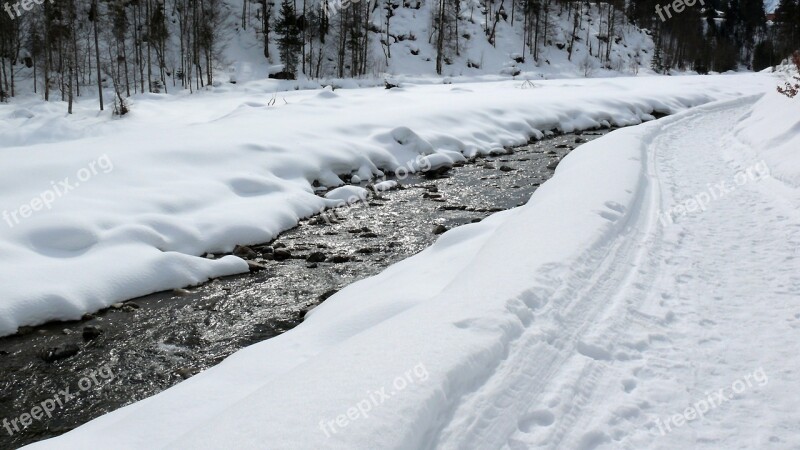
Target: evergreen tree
[
  {"x": 289, "y": 42},
  {"x": 657, "y": 63},
  {"x": 764, "y": 56},
  {"x": 788, "y": 27}
]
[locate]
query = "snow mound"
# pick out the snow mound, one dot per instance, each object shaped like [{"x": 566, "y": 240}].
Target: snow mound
[
  {"x": 385, "y": 185},
  {"x": 348, "y": 195}
]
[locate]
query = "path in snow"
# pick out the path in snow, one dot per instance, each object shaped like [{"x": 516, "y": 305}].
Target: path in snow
[{"x": 677, "y": 312}]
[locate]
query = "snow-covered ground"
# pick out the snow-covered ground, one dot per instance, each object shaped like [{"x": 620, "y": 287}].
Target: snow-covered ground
[
  {"x": 647, "y": 296},
  {"x": 413, "y": 52},
  {"x": 95, "y": 211}
]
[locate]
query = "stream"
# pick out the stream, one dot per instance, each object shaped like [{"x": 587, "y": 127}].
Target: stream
[{"x": 152, "y": 343}]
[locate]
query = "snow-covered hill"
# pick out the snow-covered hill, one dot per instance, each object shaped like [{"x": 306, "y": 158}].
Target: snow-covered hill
[
  {"x": 478, "y": 56},
  {"x": 413, "y": 51}
]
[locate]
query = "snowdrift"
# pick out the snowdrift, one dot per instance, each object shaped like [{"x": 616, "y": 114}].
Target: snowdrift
[{"x": 771, "y": 132}]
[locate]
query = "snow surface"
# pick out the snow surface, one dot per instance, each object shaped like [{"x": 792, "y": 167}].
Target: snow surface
[
  {"x": 574, "y": 321},
  {"x": 347, "y": 195},
  {"x": 413, "y": 52},
  {"x": 775, "y": 138},
  {"x": 187, "y": 175}
]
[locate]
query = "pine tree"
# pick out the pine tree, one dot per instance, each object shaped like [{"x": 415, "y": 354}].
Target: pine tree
[
  {"x": 289, "y": 42},
  {"x": 788, "y": 26},
  {"x": 657, "y": 63}
]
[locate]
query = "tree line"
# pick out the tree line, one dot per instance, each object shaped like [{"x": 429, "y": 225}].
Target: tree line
[
  {"x": 134, "y": 46},
  {"x": 720, "y": 36},
  {"x": 130, "y": 45}
]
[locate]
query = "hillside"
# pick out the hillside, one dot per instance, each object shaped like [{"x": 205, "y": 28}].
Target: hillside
[
  {"x": 412, "y": 45},
  {"x": 193, "y": 45}
]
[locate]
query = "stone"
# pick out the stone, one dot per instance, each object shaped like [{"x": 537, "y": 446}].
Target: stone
[
  {"x": 91, "y": 332},
  {"x": 281, "y": 254},
  {"x": 244, "y": 252},
  {"x": 60, "y": 352},
  {"x": 316, "y": 257},
  {"x": 255, "y": 266},
  {"x": 339, "y": 259},
  {"x": 186, "y": 372}
]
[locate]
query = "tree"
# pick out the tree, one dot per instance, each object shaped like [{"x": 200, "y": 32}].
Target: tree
[
  {"x": 787, "y": 23},
  {"x": 289, "y": 42},
  {"x": 157, "y": 35},
  {"x": 94, "y": 17},
  {"x": 440, "y": 38},
  {"x": 657, "y": 63},
  {"x": 764, "y": 56}
]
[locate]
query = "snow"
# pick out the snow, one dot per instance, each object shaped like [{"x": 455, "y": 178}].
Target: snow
[
  {"x": 387, "y": 185},
  {"x": 413, "y": 53},
  {"x": 579, "y": 320},
  {"x": 771, "y": 131},
  {"x": 186, "y": 175},
  {"x": 239, "y": 52},
  {"x": 347, "y": 195}
]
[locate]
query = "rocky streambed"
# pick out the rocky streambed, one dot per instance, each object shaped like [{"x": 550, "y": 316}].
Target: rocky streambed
[{"x": 152, "y": 343}]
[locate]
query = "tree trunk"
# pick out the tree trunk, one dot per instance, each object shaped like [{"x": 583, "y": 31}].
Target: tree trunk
[
  {"x": 97, "y": 56},
  {"x": 440, "y": 39}
]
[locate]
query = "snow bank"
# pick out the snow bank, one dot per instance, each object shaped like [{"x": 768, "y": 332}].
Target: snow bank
[
  {"x": 347, "y": 195},
  {"x": 97, "y": 212},
  {"x": 385, "y": 362},
  {"x": 772, "y": 132}
]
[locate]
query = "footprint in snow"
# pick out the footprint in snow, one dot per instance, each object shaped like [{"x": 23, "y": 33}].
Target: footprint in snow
[{"x": 539, "y": 418}]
